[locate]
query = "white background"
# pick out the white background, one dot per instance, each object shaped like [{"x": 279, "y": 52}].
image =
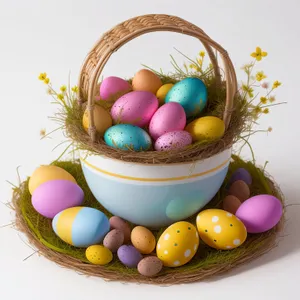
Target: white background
[{"x": 54, "y": 37}]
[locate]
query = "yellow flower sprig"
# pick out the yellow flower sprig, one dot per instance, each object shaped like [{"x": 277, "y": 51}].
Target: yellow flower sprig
[{"x": 259, "y": 54}]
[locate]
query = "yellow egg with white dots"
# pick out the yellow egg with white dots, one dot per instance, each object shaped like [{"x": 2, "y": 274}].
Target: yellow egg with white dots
[
  {"x": 98, "y": 255},
  {"x": 178, "y": 244},
  {"x": 220, "y": 229}
]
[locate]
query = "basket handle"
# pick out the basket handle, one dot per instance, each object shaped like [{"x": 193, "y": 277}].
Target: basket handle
[{"x": 124, "y": 32}]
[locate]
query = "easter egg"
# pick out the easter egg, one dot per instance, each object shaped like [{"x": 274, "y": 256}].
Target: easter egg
[
  {"x": 173, "y": 140},
  {"x": 136, "y": 108},
  {"x": 231, "y": 204},
  {"x": 241, "y": 174},
  {"x": 81, "y": 226},
  {"x": 113, "y": 85},
  {"x": 163, "y": 91},
  {"x": 98, "y": 255},
  {"x": 143, "y": 239},
  {"x": 220, "y": 229},
  {"x": 169, "y": 117},
  {"x": 146, "y": 80},
  {"x": 260, "y": 213},
  {"x": 54, "y": 196},
  {"x": 178, "y": 244},
  {"x": 47, "y": 173},
  {"x": 240, "y": 189},
  {"x": 127, "y": 137},
  {"x": 118, "y": 223},
  {"x": 206, "y": 129},
  {"x": 150, "y": 266},
  {"x": 129, "y": 256},
  {"x": 114, "y": 240},
  {"x": 191, "y": 93},
  {"x": 102, "y": 119}
]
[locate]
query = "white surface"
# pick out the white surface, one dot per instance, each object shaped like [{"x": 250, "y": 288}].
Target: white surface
[{"x": 54, "y": 36}]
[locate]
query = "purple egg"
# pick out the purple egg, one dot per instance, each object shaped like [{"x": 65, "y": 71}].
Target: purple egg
[
  {"x": 260, "y": 213},
  {"x": 54, "y": 196},
  {"x": 241, "y": 174},
  {"x": 129, "y": 256}
]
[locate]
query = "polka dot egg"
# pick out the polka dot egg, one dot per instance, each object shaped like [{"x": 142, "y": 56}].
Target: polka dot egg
[
  {"x": 178, "y": 244},
  {"x": 220, "y": 229},
  {"x": 98, "y": 255}
]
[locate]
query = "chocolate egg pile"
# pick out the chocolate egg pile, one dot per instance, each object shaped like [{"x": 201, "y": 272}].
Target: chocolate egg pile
[{"x": 150, "y": 115}]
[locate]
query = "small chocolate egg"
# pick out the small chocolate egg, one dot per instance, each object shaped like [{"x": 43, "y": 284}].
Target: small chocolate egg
[
  {"x": 162, "y": 92},
  {"x": 143, "y": 239},
  {"x": 113, "y": 85},
  {"x": 240, "y": 189},
  {"x": 129, "y": 256},
  {"x": 98, "y": 255},
  {"x": 146, "y": 80},
  {"x": 150, "y": 266},
  {"x": 173, "y": 140},
  {"x": 241, "y": 174},
  {"x": 114, "y": 240},
  {"x": 118, "y": 223},
  {"x": 231, "y": 204}
]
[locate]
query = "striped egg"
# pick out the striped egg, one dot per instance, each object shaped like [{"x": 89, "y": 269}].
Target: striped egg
[{"x": 81, "y": 226}]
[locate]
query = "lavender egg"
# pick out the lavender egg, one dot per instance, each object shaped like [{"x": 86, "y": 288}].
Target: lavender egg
[
  {"x": 113, "y": 85},
  {"x": 260, "y": 213},
  {"x": 129, "y": 256},
  {"x": 241, "y": 174},
  {"x": 173, "y": 140}
]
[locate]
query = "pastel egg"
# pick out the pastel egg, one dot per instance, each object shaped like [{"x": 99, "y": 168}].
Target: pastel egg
[
  {"x": 113, "y": 85},
  {"x": 150, "y": 266},
  {"x": 206, "y": 129},
  {"x": 191, "y": 93},
  {"x": 114, "y": 240},
  {"x": 169, "y": 117},
  {"x": 98, "y": 255},
  {"x": 118, "y": 223},
  {"x": 54, "y": 196},
  {"x": 178, "y": 244},
  {"x": 260, "y": 213},
  {"x": 163, "y": 91},
  {"x": 143, "y": 239},
  {"x": 128, "y": 137},
  {"x": 129, "y": 256},
  {"x": 241, "y": 174},
  {"x": 136, "y": 108},
  {"x": 47, "y": 173},
  {"x": 81, "y": 226},
  {"x": 231, "y": 204},
  {"x": 240, "y": 189},
  {"x": 220, "y": 229},
  {"x": 146, "y": 80},
  {"x": 173, "y": 140}
]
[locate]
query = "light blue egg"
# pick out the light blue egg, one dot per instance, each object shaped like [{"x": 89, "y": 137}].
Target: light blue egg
[
  {"x": 126, "y": 137},
  {"x": 191, "y": 94}
]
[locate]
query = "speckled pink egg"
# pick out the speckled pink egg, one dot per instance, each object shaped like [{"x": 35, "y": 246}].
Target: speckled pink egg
[
  {"x": 173, "y": 140},
  {"x": 169, "y": 117},
  {"x": 136, "y": 108},
  {"x": 113, "y": 85}
]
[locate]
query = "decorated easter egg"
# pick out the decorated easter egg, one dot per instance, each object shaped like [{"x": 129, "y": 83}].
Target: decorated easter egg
[
  {"x": 241, "y": 174},
  {"x": 146, "y": 80},
  {"x": 163, "y": 91},
  {"x": 54, "y": 196},
  {"x": 129, "y": 256},
  {"x": 169, "y": 117},
  {"x": 81, "y": 226},
  {"x": 173, "y": 140},
  {"x": 143, "y": 239},
  {"x": 136, "y": 108},
  {"x": 102, "y": 119},
  {"x": 47, "y": 173},
  {"x": 260, "y": 213},
  {"x": 114, "y": 240},
  {"x": 206, "y": 129},
  {"x": 178, "y": 244},
  {"x": 98, "y": 255},
  {"x": 150, "y": 266},
  {"x": 191, "y": 93},
  {"x": 220, "y": 229},
  {"x": 240, "y": 189},
  {"x": 231, "y": 204},
  {"x": 118, "y": 223},
  {"x": 113, "y": 85},
  {"x": 127, "y": 137}
]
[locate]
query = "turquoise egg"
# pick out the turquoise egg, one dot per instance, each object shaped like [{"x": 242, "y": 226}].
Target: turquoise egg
[
  {"x": 127, "y": 137},
  {"x": 191, "y": 94}
]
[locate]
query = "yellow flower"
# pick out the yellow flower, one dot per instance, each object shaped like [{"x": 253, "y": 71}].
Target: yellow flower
[
  {"x": 193, "y": 66},
  {"x": 260, "y": 76},
  {"x": 266, "y": 111},
  {"x": 202, "y": 53},
  {"x": 42, "y": 132},
  {"x": 272, "y": 99},
  {"x": 263, "y": 100},
  {"x": 46, "y": 80},
  {"x": 270, "y": 129},
  {"x": 276, "y": 84},
  {"x": 258, "y": 54},
  {"x": 75, "y": 89},
  {"x": 60, "y": 96},
  {"x": 257, "y": 110},
  {"x": 63, "y": 88},
  {"x": 248, "y": 90},
  {"x": 42, "y": 76}
]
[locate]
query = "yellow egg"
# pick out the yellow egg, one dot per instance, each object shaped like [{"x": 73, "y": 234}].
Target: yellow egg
[
  {"x": 98, "y": 255},
  {"x": 146, "y": 80},
  {"x": 102, "y": 119},
  {"x": 220, "y": 229},
  {"x": 143, "y": 239},
  {"x": 163, "y": 91},
  {"x": 178, "y": 244},
  {"x": 47, "y": 173},
  {"x": 206, "y": 128}
]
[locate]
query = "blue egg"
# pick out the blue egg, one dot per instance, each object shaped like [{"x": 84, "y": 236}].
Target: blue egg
[
  {"x": 127, "y": 137},
  {"x": 191, "y": 94}
]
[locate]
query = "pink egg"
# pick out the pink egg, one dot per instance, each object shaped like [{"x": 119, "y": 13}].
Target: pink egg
[
  {"x": 112, "y": 85},
  {"x": 169, "y": 117},
  {"x": 173, "y": 140},
  {"x": 136, "y": 108}
]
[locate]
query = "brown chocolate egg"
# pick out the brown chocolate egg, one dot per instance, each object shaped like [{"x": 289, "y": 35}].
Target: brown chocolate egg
[
  {"x": 231, "y": 204},
  {"x": 150, "y": 266},
  {"x": 114, "y": 240},
  {"x": 118, "y": 223},
  {"x": 240, "y": 189},
  {"x": 146, "y": 80}
]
